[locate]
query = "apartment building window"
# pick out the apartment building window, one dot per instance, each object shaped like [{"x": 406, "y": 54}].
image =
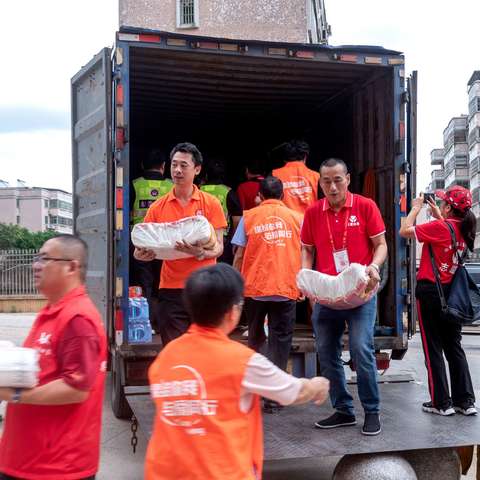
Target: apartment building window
[
  {"x": 18, "y": 203},
  {"x": 65, "y": 221},
  {"x": 54, "y": 203},
  {"x": 53, "y": 219},
  {"x": 45, "y": 203},
  {"x": 187, "y": 14},
  {"x": 46, "y": 219},
  {"x": 18, "y": 219}
]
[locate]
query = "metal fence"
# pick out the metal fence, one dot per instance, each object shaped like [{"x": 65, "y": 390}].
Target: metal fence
[{"x": 16, "y": 275}]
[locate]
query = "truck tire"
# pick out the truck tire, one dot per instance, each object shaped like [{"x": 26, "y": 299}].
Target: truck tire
[{"x": 120, "y": 407}]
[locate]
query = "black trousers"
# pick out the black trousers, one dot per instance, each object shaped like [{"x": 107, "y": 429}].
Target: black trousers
[
  {"x": 442, "y": 337},
  {"x": 281, "y": 320},
  {"x": 6, "y": 477},
  {"x": 173, "y": 316}
]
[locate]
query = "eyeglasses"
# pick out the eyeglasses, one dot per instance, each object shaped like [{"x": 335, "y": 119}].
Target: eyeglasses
[{"x": 42, "y": 259}]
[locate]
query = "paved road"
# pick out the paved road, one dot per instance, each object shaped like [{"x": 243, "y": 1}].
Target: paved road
[{"x": 119, "y": 462}]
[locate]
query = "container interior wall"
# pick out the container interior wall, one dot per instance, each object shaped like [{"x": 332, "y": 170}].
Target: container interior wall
[{"x": 356, "y": 125}]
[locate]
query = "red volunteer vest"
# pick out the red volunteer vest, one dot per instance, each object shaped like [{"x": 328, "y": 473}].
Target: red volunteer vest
[
  {"x": 56, "y": 442},
  {"x": 199, "y": 431},
  {"x": 272, "y": 256}
]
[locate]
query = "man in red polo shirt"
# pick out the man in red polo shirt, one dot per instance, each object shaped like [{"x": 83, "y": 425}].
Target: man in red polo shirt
[
  {"x": 52, "y": 431},
  {"x": 184, "y": 200},
  {"x": 345, "y": 228}
]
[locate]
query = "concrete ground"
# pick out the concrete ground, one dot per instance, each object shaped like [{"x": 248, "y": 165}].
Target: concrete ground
[{"x": 119, "y": 462}]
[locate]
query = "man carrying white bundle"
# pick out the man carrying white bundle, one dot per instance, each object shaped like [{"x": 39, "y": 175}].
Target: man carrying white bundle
[
  {"x": 345, "y": 228},
  {"x": 52, "y": 431},
  {"x": 184, "y": 200}
]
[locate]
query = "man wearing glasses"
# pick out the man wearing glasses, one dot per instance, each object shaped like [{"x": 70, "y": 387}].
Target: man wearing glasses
[{"x": 53, "y": 430}]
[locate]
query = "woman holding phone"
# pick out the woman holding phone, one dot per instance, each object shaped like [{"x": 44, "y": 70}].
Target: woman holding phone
[{"x": 439, "y": 335}]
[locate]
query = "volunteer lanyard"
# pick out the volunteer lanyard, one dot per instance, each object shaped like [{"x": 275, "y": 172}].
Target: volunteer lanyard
[{"x": 344, "y": 240}]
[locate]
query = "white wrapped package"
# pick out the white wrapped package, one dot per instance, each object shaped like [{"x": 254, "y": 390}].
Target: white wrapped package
[
  {"x": 162, "y": 237},
  {"x": 18, "y": 366},
  {"x": 342, "y": 292}
]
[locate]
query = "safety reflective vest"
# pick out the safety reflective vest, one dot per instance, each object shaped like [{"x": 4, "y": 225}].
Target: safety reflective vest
[
  {"x": 220, "y": 192},
  {"x": 146, "y": 192}
]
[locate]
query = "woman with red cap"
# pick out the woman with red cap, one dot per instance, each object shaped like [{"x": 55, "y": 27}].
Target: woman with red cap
[{"x": 439, "y": 335}]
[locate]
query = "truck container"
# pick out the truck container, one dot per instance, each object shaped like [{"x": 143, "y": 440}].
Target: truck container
[{"x": 236, "y": 99}]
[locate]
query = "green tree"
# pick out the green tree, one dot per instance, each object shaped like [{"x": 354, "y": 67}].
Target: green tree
[{"x": 16, "y": 237}]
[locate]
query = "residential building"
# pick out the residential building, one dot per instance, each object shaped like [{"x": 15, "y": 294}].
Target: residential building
[
  {"x": 438, "y": 174},
  {"x": 37, "y": 209},
  {"x": 299, "y": 21},
  {"x": 474, "y": 138},
  {"x": 455, "y": 147}
]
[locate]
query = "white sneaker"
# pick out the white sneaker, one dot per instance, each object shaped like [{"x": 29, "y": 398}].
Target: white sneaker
[
  {"x": 467, "y": 410},
  {"x": 429, "y": 408}
]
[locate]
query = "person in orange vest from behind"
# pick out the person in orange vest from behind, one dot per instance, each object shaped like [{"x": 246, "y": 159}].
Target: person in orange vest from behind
[
  {"x": 206, "y": 390},
  {"x": 52, "y": 431},
  {"x": 300, "y": 184},
  {"x": 269, "y": 257}
]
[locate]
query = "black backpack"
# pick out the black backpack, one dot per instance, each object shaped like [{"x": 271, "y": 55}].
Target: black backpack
[{"x": 463, "y": 303}]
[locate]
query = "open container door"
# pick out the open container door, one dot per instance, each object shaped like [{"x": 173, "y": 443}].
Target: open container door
[
  {"x": 411, "y": 189},
  {"x": 92, "y": 175}
]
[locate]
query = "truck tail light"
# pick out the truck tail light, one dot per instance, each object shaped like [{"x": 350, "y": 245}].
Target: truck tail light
[
  {"x": 119, "y": 138},
  {"x": 118, "y": 327},
  {"x": 119, "y": 94}
]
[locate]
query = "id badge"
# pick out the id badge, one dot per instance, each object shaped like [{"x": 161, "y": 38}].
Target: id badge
[{"x": 341, "y": 260}]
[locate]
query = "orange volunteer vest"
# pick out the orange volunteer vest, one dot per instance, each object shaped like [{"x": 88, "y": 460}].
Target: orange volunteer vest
[
  {"x": 272, "y": 255},
  {"x": 199, "y": 430},
  {"x": 300, "y": 185},
  {"x": 56, "y": 442}
]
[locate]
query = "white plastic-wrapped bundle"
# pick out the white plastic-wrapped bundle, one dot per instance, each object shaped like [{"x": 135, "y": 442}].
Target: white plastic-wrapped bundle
[
  {"x": 18, "y": 366},
  {"x": 341, "y": 292},
  {"x": 162, "y": 237}
]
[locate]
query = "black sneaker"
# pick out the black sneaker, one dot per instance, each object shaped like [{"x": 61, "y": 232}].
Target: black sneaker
[
  {"x": 444, "y": 412},
  {"x": 337, "y": 420},
  {"x": 371, "y": 426},
  {"x": 467, "y": 409}
]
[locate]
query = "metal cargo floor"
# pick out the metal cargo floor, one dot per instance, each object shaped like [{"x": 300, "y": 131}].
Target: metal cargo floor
[{"x": 291, "y": 434}]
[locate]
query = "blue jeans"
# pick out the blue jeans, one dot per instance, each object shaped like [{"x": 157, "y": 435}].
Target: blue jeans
[{"x": 329, "y": 326}]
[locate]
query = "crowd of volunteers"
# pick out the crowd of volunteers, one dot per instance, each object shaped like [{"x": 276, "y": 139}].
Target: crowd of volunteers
[{"x": 209, "y": 389}]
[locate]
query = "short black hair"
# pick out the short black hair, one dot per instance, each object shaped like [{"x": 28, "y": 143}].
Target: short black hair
[
  {"x": 271, "y": 187},
  {"x": 186, "y": 147},
  {"x": 254, "y": 166},
  {"x": 332, "y": 162},
  {"x": 156, "y": 158},
  {"x": 76, "y": 249},
  {"x": 295, "y": 150},
  {"x": 211, "y": 292},
  {"x": 215, "y": 172}
]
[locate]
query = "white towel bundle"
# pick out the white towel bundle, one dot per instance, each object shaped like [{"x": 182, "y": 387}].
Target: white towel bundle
[
  {"x": 346, "y": 290},
  {"x": 162, "y": 237},
  {"x": 18, "y": 366}
]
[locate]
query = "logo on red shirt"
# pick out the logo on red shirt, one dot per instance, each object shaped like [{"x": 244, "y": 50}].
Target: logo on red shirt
[{"x": 353, "y": 221}]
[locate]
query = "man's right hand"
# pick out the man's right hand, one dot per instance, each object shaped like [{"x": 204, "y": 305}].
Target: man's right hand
[
  {"x": 144, "y": 254},
  {"x": 321, "y": 387}
]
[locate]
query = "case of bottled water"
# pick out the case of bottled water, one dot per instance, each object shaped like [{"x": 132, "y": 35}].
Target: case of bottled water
[{"x": 139, "y": 328}]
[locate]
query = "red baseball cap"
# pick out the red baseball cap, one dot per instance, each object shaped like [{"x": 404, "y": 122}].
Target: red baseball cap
[{"x": 458, "y": 197}]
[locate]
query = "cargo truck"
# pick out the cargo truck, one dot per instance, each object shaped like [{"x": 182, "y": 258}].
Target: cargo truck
[{"x": 236, "y": 99}]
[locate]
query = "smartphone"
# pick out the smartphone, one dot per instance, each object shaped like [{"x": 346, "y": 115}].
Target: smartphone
[{"x": 428, "y": 196}]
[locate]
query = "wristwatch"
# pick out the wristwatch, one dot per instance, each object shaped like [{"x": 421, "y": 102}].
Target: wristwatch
[
  {"x": 17, "y": 393},
  {"x": 376, "y": 267}
]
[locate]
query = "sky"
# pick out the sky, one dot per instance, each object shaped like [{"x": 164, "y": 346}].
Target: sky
[{"x": 43, "y": 44}]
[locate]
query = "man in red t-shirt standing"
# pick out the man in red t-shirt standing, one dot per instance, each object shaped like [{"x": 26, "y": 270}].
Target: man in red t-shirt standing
[
  {"x": 345, "y": 228},
  {"x": 52, "y": 431}
]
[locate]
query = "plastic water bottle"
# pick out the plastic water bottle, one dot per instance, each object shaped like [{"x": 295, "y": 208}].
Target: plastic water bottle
[{"x": 139, "y": 328}]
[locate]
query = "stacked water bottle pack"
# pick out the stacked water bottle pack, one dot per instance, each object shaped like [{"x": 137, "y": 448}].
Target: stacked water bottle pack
[{"x": 139, "y": 328}]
